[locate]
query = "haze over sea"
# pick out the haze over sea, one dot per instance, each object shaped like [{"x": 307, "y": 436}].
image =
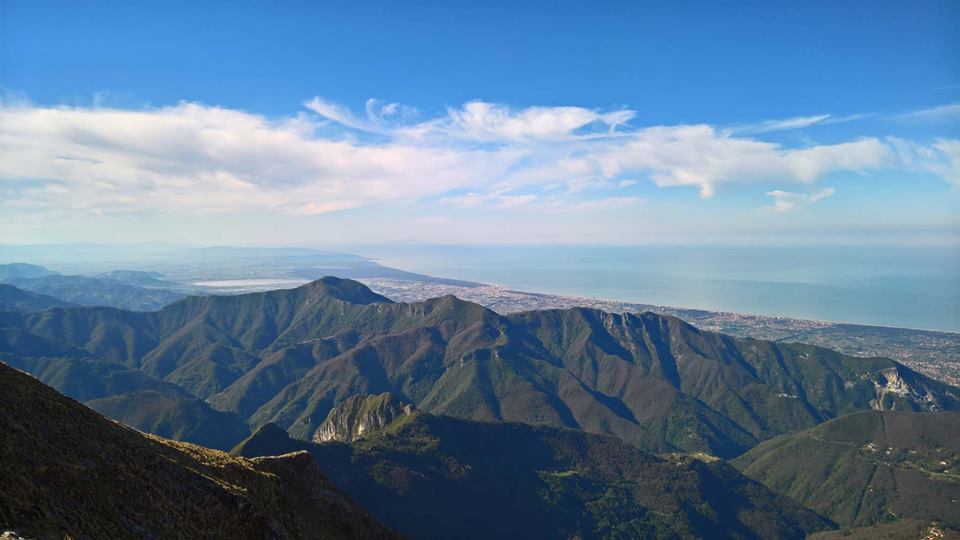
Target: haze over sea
[{"x": 912, "y": 287}]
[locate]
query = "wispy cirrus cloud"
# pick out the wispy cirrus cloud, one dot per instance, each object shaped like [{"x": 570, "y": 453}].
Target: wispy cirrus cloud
[
  {"x": 194, "y": 158},
  {"x": 768, "y": 126},
  {"x": 943, "y": 113},
  {"x": 796, "y": 122},
  {"x": 786, "y": 200}
]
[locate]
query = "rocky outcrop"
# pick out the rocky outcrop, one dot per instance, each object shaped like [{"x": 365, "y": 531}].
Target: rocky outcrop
[
  {"x": 360, "y": 416},
  {"x": 898, "y": 389}
]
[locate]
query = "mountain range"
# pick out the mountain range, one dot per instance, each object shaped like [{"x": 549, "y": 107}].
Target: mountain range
[
  {"x": 289, "y": 356},
  {"x": 594, "y": 424}
]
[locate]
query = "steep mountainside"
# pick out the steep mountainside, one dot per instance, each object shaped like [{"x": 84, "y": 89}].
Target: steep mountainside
[
  {"x": 441, "y": 477},
  {"x": 289, "y": 356},
  {"x": 868, "y": 468},
  {"x": 14, "y": 299},
  {"x": 68, "y": 472}
]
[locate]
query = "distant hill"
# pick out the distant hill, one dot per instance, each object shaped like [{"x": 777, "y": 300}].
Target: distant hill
[
  {"x": 67, "y": 472},
  {"x": 289, "y": 356},
  {"x": 440, "y": 477},
  {"x": 139, "y": 278},
  {"x": 868, "y": 468},
  {"x": 124, "y": 289},
  {"x": 89, "y": 291},
  {"x": 13, "y": 298},
  {"x": 22, "y": 271}
]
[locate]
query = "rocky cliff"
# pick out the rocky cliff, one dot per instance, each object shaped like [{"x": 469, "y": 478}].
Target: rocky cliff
[{"x": 360, "y": 415}]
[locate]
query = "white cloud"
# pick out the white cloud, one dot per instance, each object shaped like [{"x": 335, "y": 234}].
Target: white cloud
[
  {"x": 943, "y": 113},
  {"x": 941, "y": 158},
  {"x": 699, "y": 156},
  {"x": 341, "y": 115},
  {"x": 785, "y": 200},
  {"x": 200, "y": 159},
  {"x": 192, "y": 158},
  {"x": 948, "y": 164},
  {"x": 489, "y": 122},
  {"x": 768, "y": 126}
]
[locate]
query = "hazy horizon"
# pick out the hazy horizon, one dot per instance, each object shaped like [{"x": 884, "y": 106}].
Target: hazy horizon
[{"x": 896, "y": 286}]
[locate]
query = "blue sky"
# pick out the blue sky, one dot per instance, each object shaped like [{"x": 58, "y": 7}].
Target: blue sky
[{"x": 493, "y": 122}]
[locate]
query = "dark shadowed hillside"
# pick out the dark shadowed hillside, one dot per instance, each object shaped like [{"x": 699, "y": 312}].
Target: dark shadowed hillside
[
  {"x": 66, "y": 471},
  {"x": 440, "y": 477},
  {"x": 868, "y": 468}
]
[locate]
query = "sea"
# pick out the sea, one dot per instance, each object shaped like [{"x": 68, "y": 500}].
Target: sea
[{"x": 900, "y": 286}]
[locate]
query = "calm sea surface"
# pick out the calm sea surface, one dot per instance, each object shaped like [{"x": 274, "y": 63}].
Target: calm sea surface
[{"x": 914, "y": 287}]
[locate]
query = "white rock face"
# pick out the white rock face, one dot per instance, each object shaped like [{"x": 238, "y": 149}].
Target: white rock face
[
  {"x": 891, "y": 382},
  {"x": 359, "y": 416}
]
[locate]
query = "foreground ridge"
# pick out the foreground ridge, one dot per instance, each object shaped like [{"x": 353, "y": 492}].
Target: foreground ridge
[{"x": 68, "y": 472}]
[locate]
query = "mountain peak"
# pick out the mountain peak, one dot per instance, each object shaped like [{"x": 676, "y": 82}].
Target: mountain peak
[
  {"x": 347, "y": 290},
  {"x": 359, "y": 416}
]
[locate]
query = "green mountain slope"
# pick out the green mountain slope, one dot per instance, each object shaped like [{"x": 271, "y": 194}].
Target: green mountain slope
[
  {"x": 868, "y": 468},
  {"x": 66, "y": 471},
  {"x": 441, "y": 477},
  {"x": 289, "y": 356}
]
